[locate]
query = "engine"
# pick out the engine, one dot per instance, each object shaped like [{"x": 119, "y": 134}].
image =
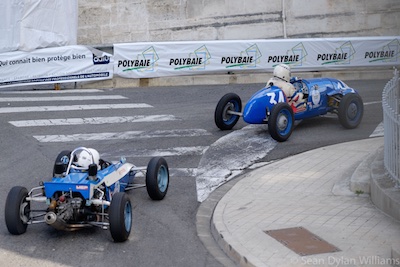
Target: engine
[
  {"x": 68, "y": 213},
  {"x": 70, "y": 209}
]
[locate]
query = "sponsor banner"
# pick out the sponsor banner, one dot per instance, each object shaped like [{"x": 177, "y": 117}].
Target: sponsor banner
[
  {"x": 147, "y": 60},
  {"x": 55, "y": 65}
]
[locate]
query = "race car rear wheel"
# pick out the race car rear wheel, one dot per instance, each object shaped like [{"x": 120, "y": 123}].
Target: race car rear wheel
[
  {"x": 351, "y": 110},
  {"x": 17, "y": 210},
  {"x": 120, "y": 217},
  {"x": 63, "y": 159},
  {"x": 222, "y": 118},
  {"x": 157, "y": 178},
  {"x": 281, "y": 122}
]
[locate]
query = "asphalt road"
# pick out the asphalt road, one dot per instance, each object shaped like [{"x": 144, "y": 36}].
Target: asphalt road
[{"x": 181, "y": 128}]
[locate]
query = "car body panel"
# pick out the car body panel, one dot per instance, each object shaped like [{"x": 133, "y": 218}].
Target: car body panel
[
  {"x": 115, "y": 177},
  {"x": 318, "y": 91}
]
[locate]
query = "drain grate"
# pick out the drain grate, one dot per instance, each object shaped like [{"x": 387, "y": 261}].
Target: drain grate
[{"x": 302, "y": 241}]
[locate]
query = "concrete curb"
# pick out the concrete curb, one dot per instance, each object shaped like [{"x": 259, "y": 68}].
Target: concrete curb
[
  {"x": 360, "y": 181},
  {"x": 205, "y": 228},
  {"x": 384, "y": 194},
  {"x": 234, "y": 78}
]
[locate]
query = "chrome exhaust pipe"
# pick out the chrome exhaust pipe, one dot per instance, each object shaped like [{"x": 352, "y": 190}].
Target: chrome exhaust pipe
[
  {"x": 59, "y": 224},
  {"x": 52, "y": 220}
]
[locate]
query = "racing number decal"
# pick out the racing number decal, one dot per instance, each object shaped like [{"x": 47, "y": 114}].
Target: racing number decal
[{"x": 273, "y": 96}]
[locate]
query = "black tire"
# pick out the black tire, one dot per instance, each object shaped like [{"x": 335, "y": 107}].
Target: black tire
[
  {"x": 17, "y": 210},
  {"x": 351, "y": 110},
  {"x": 120, "y": 217},
  {"x": 62, "y": 158},
  {"x": 157, "y": 178},
  {"x": 223, "y": 120},
  {"x": 281, "y": 122}
]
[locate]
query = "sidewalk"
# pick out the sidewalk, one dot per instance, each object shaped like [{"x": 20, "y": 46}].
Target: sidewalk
[{"x": 310, "y": 190}]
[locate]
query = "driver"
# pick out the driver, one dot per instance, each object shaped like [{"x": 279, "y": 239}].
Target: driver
[
  {"x": 86, "y": 156},
  {"x": 281, "y": 79}
]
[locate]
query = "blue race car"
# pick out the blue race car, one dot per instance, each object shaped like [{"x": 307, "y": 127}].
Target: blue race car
[
  {"x": 270, "y": 106},
  {"x": 77, "y": 197}
]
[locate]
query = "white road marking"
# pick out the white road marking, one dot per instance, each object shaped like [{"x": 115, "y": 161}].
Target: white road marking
[
  {"x": 371, "y": 103},
  {"x": 61, "y": 98},
  {"x": 379, "y": 131},
  {"x": 176, "y": 172},
  {"x": 122, "y": 135},
  {"x": 72, "y": 107},
  {"x": 229, "y": 156},
  {"x": 93, "y": 120},
  {"x": 183, "y": 172},
  {"x": 45, "y": 91},
  {"x": 166, "y": 152}
]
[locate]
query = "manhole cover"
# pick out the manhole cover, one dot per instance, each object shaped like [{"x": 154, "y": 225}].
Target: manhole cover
[{"x": 302, "y": 241}]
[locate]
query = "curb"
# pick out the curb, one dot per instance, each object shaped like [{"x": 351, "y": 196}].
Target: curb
[
  {"x": 384, "y": 194},
  {"x": 234, "y": 78},
  {"x": 205, "y": 227}
]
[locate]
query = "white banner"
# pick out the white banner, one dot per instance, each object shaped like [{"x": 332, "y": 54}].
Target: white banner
[
  {"x": 27, "y": 25},
  {"x": 147, "y": 60},
  {"x": 55, "y": 65}
]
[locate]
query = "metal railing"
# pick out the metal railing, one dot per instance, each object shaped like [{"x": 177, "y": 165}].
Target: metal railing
[{"x": 391, "y": 120}]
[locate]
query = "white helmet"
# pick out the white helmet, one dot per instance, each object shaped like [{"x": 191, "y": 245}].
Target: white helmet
[
  {"x": 87, "y": 156},
  {"x": 282, "y": 71}
]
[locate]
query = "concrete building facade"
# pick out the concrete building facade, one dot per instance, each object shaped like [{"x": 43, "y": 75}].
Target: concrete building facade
[{"x": 105, "y": 22}]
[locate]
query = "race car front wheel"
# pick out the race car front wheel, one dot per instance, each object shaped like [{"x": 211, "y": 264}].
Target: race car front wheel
[
  {"x": 223, "y": 117},
  {"x": 351, "y": 111},
  {"x": 157, "y": 178},
  {"x": 120, "y": 217},
  {"x": 17, "y": 210},
  {"x": 281, "y": 122}
]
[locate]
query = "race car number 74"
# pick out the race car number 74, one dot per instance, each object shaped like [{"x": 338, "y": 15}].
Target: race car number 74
[{"x": 272, "y": 97}]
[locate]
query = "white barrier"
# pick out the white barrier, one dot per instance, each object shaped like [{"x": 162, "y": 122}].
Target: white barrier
[
  {"x": 54, "y": 65},
  {"x": 391, "y": 120},
  {"x": 147, "y": 60}
]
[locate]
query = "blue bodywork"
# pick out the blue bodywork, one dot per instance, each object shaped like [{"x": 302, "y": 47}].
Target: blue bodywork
[
  {"x": 78, "y": 182},
  {"x": 316, "y": 90}
]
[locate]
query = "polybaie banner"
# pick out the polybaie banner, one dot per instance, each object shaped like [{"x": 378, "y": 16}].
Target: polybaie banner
[
  {"x": 147, "y": 60},
  {"x": 55, "y": 65}
]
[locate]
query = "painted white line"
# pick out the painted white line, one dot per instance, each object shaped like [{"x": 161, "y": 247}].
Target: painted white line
[
  {"x": 93, "y": 120},
  {"x": 183, "y": 172},
  {"x": 379, "y": 131},
  {"x": 61, "y": 98},
  {"x": 45, "y": 91},
  {"x": 121, "y": 135},
  {"x": 177, "y": 172},
  {"x": 72, "y": 107},
  {"x": 371, "y": 103},
  {"x": 167, "y": 152},
  {"x": 230, "y": 155}
]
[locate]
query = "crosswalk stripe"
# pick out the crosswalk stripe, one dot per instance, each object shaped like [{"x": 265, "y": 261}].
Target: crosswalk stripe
[
  {"x": 166, "y": 152},
  {"x": 379, "y": 131},
  {"x": 72, "y": 107},
  {"x": 183, "y": 172},
  {"x": 67, "y": 91},
  {"x": 93, "y": 120},
  {"x": 177, "y": 172},
  {"x": 122, "y": 135},
  {"x": 61, "y": 98}
]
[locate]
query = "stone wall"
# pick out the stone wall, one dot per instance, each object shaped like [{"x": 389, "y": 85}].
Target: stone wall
[{"x": 105, "y": 22}]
